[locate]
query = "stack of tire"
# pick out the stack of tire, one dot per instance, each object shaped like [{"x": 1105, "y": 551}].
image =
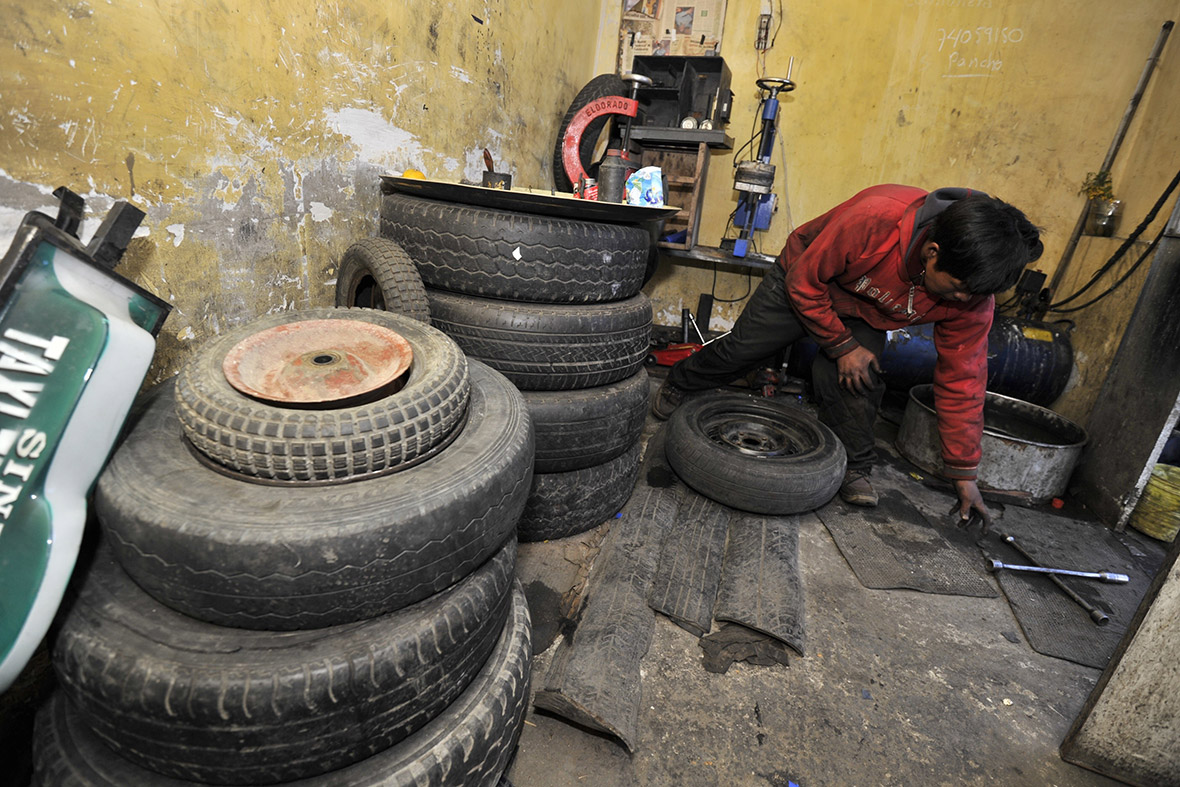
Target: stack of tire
[
  {"x": 285, "y": 592},
  {"x": 554, "y": 304}
]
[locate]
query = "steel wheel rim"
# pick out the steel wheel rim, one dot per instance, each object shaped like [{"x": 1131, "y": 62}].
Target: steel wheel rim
[
  {"x": 317, "y": 362},
  {"x": 752, "y": 434}
]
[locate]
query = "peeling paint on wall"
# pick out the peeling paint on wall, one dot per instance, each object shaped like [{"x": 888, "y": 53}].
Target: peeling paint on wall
[{"x": 254, "y": 135}]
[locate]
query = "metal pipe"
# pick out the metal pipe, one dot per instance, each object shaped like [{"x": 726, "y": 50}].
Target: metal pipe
[{"x": 1115, "y": 144}]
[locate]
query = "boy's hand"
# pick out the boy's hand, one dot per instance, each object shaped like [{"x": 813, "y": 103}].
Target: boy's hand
[
  {"x": 970, "y": 507},
  {"x": 854, "y": 368}
]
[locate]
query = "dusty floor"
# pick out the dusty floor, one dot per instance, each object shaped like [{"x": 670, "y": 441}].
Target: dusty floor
[{"x": 898, "y": 687}]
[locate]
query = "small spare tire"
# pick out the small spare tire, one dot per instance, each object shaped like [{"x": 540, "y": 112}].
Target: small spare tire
[
  {"x": 755, "y": 454},
  {"x": 376, "y": 273},
  {"x": 338, "y": 440}
]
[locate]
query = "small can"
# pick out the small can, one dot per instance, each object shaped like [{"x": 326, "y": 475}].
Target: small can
[
  {"x": 612, "y": 173},
  {"x": 586, "y": 188}
]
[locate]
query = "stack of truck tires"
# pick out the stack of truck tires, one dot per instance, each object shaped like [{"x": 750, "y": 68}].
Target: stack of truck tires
[
  {"x": 303, "y": 575},
  {"x": 555, "y": 305}
]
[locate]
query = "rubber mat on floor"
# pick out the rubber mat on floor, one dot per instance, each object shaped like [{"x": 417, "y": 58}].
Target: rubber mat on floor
[
  {"x": 1054, "y": 624},
  {"x": 594, "y": 678},
  {"x": 896, "y": 546},
  {"x": 760, "y": 584},
  {"x": 689, "y": 571}
]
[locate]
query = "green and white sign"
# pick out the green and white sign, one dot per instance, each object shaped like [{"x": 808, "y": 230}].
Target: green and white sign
[{"x": 75, "y": 343}]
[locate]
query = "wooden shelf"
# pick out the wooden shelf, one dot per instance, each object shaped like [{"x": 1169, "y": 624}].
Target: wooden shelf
[{"x": 683, "y": 173}]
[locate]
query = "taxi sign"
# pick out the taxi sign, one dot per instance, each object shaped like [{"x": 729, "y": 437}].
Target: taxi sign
[{"x": 76, "y": 340}]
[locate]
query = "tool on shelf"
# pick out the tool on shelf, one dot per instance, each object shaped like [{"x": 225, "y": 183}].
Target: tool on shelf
[{"x": 493, "y": 179}]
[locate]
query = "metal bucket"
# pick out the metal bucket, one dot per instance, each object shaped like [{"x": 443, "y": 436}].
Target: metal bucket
[{"x": 1027, "y": 449}]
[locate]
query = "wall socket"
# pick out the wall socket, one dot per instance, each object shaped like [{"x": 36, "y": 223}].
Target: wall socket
[{"x": 763, "y": 40}]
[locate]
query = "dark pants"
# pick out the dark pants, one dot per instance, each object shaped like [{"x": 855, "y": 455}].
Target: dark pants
[{"x": 767, "y": 325}]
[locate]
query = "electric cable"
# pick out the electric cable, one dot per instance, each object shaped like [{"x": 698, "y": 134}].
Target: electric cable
[
  {"x": 713, "y": 289},
  {"x": 1122, "y": 249},
  {"x": 1146, "y": 252}
]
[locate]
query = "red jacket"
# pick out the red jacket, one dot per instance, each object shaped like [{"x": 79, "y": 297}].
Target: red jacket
[{"x": 852, "y": 262}]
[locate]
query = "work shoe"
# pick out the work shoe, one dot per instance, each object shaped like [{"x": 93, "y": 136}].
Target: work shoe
[
  {"x": 856, "y": 489},
  {"x": 668, "y": 398}
]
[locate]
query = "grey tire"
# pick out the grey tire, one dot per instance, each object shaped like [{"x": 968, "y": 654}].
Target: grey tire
[
  {"x": 515, "y": 255},
  {"x": 332, "y": 443},
  {"x": 376, "y": 273},
  {"x": 548, "y": 347},
  {"x": 469, "y": 743},
  {"x": 565, "y": 504},
  {"x": 253, "y": 555},
  {"x": 228, "y": 706},
  {"x": 755, "y": 454},
  {"x": 587, "y": 426}
]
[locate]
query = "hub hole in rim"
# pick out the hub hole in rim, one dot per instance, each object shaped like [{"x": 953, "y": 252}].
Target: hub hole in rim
[{"x": 752, "y": 435}]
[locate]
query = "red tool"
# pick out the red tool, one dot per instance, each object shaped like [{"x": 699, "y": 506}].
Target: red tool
[
  {"x": 571, "y": 143},
  {"x": 673, "y": 353}
]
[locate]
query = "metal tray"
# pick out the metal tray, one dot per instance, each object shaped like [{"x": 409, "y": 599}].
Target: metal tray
[{"x": 541, "y": 203}]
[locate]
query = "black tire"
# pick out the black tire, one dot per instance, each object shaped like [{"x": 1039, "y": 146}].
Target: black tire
[
  {"x": 565, "y": 504},
  {"x": 298, "y": 445},
  {"x": 598, "y": 87},
  {"x": 259, "y": 556},
  {"x": 587, "y": 426},
  {"x": 376, "y": 273},
  {"x": 754, "y": 454},
  {"x": 225, "y": 706},
  {"x": 548, "y": 348},
  {"x": 469, "y": 743},
  {"x": 517, "y": 256}
]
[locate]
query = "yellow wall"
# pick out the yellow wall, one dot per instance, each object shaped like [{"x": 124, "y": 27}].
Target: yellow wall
[
  {"x": 253, "y": 133},
  {"x": 1019, "y": 98}
]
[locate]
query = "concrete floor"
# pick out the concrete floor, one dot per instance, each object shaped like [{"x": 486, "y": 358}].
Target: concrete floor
[{"x": 897, "y": 687}]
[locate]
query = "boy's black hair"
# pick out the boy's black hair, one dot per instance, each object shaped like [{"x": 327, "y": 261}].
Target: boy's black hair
[{"x": 985, "y": 243}]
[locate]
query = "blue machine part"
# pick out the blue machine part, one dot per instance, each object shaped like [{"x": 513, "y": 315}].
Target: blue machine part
[
  {"x": 763, "y": 210},
  {"x": 769, "y": 112},
  {"x": 1026, "y": 360}
]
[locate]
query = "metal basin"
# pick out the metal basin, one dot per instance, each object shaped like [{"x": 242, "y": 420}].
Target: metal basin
[{"x": 1027, "y": 449}]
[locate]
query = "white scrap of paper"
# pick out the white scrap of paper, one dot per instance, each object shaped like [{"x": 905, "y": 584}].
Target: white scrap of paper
[{"x": 516, "y": 255}]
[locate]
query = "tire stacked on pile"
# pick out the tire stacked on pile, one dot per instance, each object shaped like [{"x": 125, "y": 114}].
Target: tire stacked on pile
[
  {"x": 555, "y": 305},
  {"x": 315, "y": 594}
]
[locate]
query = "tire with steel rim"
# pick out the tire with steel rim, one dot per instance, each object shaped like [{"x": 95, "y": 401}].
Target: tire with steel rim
[
  {"x": 333, "y": 439},
  {"x": 755, "y": 454}
]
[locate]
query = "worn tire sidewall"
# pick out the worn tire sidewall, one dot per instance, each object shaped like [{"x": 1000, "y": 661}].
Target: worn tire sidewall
[{"x": 253, "y": 555}]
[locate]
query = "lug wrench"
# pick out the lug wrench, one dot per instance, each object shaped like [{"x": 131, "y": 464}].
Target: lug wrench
[
  {"x": 1102, "y": 576},
  {"x": 1098, "y": 616}
]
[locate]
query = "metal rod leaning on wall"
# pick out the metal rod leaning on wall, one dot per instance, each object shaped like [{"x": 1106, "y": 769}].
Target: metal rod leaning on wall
[{"x": 1115, "y": 144}]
